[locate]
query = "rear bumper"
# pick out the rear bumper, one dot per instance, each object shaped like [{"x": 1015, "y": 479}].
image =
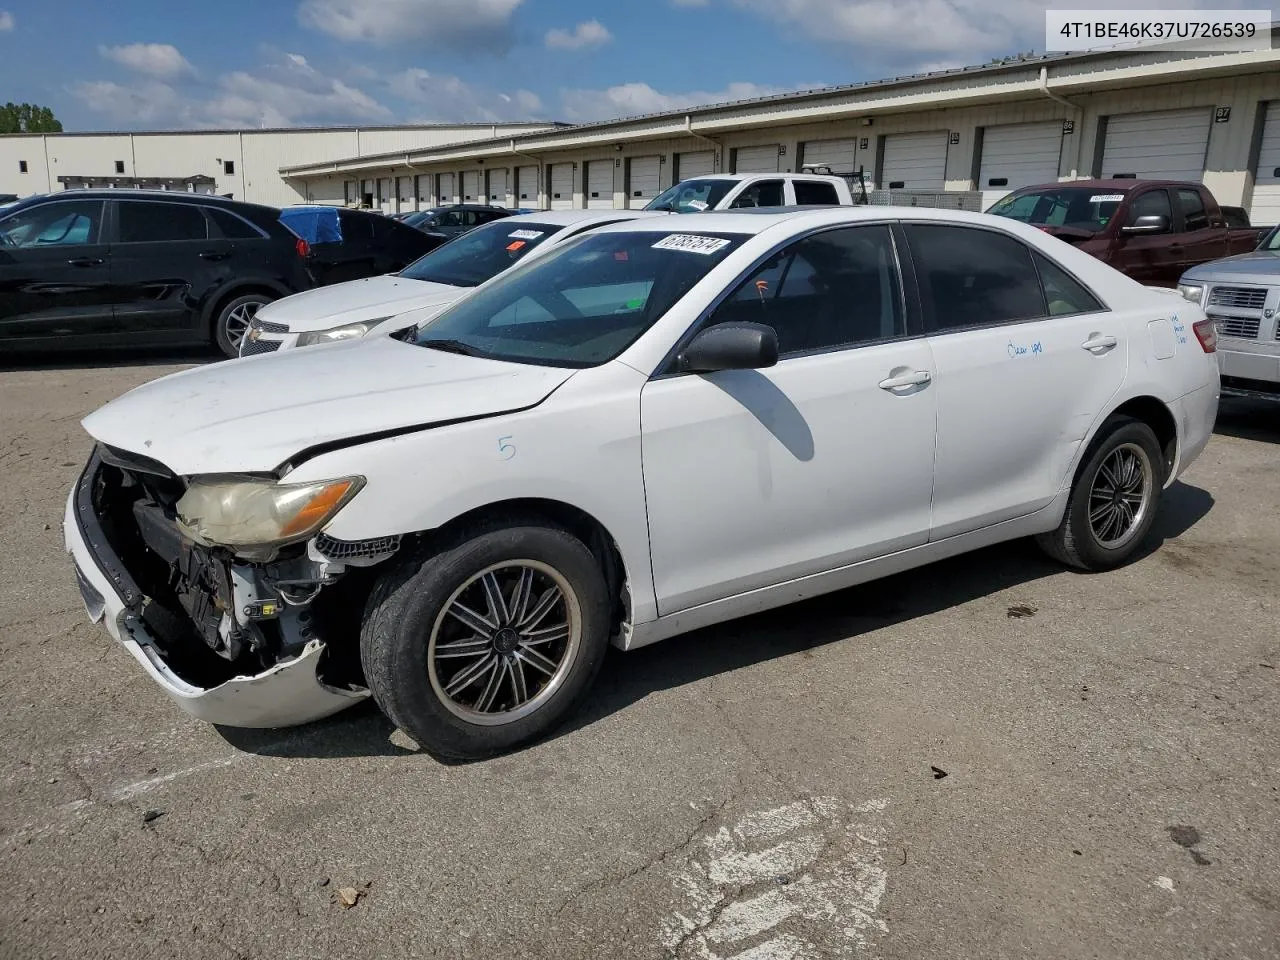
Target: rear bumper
[
  {"x": 1195, "y": 415},
  {"x": 289, "y": 693}
]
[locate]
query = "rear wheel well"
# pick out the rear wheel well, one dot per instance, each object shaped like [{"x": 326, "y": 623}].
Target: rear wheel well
[
  {"x": 577, "y": 521},
  {"x": 1158, "y": 417},
  {"x": 228, "y": 295}
]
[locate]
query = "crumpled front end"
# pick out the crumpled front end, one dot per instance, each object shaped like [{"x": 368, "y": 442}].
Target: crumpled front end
[{"x": 231, "y": 642}]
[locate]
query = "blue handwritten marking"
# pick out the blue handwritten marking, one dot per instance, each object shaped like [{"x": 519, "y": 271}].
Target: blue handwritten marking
[
  {"x": 1018, "y": 350},
  {"x": 508, "y": 449}
]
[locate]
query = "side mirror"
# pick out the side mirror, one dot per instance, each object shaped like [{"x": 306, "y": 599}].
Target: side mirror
[
  {"x": 1152, "y": 223},
  {"x": 730, "y": 346}
]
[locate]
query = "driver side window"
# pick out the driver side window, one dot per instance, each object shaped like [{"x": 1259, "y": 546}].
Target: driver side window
[
  {"x": 66, "y": 223},
  {"x": 1153, "y": 203}
]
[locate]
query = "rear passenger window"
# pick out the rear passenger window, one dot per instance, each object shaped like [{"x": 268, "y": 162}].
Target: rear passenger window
[
  {"x": 232, "y": 226},
  {"x": 838, "y": 288},
  {"x": 814, "y": 193},
  {"x": 974, "y": 278},
  {"x": 1062, "y": 291},
  {"x": 1193, "y": 212},
  {"x": 140, "y": 221}
]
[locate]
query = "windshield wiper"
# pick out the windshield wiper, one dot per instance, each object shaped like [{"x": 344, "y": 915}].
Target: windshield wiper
[{"x": 451, "y": 346}]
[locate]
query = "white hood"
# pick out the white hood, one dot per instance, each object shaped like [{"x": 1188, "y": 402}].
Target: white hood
[
  {"x": 356, "y": 301},
  {"x": 253, "y": 414}
]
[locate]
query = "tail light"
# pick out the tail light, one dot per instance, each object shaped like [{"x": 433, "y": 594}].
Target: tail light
[
  {"x": 302, "y": 247},
  {"x": 1207, "y": 334}
]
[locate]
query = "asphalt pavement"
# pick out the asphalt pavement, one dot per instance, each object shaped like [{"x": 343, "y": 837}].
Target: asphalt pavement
[{"x": 990, "y": 757}]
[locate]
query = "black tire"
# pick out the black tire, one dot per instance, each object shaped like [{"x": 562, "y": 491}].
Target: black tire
[
  {"x": 231, "y": 312},
  {"x": 407, "y": 604},
  {"x": 1076, "y": 543}
]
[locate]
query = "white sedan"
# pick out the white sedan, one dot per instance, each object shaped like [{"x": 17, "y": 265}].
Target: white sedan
[
  {"x": 384, "y": 305},
  {"x": 659, "y": 425}
]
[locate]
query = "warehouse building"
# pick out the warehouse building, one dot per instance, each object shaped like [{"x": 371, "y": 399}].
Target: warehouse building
[
  {"x": 243, "y": 164},
  {"x": 980, "y": 131}
]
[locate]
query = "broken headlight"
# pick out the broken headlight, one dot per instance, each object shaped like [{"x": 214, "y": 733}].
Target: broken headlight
[
  {"x": 255, "y": 515},
  {"x": 348, "y": 331}
]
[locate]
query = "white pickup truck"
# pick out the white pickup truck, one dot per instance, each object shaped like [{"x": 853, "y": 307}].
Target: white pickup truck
[{"x": 735, "y": 191}]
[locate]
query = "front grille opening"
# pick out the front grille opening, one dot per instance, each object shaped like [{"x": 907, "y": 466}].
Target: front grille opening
[
  {"x": 1238, "y": 298},
  {"x": 1243, "y": 328}
]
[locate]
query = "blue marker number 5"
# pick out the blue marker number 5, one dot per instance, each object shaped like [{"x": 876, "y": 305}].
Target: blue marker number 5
[{"x": 507, "y": 449}]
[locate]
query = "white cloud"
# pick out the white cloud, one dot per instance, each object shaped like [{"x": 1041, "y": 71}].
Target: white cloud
[
  {"x": 156, "y": 59},
  {"x": 6, "y": 21},
  {"x": 590, "y": 33},
  {"x": 630, "y": 99},
  {"x": 445, "y": 97},
  {"x": 285, "y": 92},
  {"x": 475, "y": 24}
]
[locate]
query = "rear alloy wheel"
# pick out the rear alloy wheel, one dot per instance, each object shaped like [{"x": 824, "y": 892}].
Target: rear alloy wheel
[
  {"x": 1114, "y": 501},
  {"x": 489, "y": 643},
  {"x": 232, "y": 322}
]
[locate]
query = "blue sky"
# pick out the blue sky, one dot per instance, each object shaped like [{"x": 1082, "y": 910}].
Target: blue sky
[{"x": 146, "y": 64}]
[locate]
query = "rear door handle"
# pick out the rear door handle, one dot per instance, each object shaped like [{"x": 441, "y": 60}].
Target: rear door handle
[
  {"x": 1099, "y": 342},
  {"x": 86, "y": 262},
  {"x": 916, "y": 379},
  {"x": 213, "y": 255}
]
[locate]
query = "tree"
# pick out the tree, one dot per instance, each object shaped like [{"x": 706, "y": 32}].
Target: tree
[{"x": 28, "y": 118}]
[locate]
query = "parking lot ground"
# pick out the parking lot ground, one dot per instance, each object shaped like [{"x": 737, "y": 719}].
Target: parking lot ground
[{"x": 990, "y": 757}]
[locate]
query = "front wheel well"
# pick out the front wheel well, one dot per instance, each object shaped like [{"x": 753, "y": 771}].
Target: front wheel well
[
  {"x": 578, "y": 522},
  {"x": 1156, "y": 415},
  {"x": 226, "y": 296}
]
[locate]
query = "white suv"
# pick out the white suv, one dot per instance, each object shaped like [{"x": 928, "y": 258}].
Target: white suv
[{"x": 664, "y": 424}]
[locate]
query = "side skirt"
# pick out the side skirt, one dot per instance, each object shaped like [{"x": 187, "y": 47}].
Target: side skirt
[{"x": 802, "y": 588}]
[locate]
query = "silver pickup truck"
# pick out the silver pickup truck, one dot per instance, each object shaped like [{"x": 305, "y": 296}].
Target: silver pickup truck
[{"x": 1242, "y": 294}]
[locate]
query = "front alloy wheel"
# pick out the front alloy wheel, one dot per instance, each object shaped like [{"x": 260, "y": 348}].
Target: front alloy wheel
[
  {"x": 504, "y": 641},
  {"x": 489, "y": 640}
]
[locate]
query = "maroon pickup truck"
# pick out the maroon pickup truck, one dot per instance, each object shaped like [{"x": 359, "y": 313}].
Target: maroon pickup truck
[{"x": 1150, "y": 230}]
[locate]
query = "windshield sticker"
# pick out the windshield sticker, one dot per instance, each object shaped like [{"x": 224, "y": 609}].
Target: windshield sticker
[
  {"x": 1106, "y": 198},
  {"x": 698, "y": 205},
  {"x": 525, "y": 234},
  {"x": 690, "y": 243},
  {"x": 514, "y": 246}
]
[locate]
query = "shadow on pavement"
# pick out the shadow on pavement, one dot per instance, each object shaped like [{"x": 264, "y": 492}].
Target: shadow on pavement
[
  {"x": 629, "y": 677},
  {"x": 1248, "y": 419}
]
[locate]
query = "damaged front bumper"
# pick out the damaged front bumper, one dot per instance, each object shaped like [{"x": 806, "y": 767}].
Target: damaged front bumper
[{"x": 288, "y": 693}]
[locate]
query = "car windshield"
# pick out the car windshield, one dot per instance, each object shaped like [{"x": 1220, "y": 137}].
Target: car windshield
[
  {"x": 479, "y": 254},
  {"x": 1078, "y": 208},
  {"x": 691, "y": 196},
  {"x": 1271, "y": 242},
  {"x": 582, "y": 304}
]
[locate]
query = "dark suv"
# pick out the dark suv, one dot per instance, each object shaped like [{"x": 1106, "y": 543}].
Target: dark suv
[
  {"x": 455, "y": 219},
  {"x": 94, "y": 268}
]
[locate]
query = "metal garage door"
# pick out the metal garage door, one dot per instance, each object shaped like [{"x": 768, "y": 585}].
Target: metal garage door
[
  {"x": 386, "y": 195},
  {"x": 762, "y": 159},
  {"x": 1265, "y": 210},
  {"x": 422, "y": 192},
  {"x": 404, "y": 194},
  {"x": 915, "y": 161},
  {"x": 600, "y": 185},
  {"x": 498, "y": 187},
  {"x": 526, "y": 186},
  {"x": 840, "y": 155},
  {"x": 643, "y": 179},
  {"x": 562, "y": 186},
  {"x": 1169, "y": 145},
  {"x": 471, "y": 192},
  {"x": 1018, "y": 155},
  {"x": 446, "y": 191},
  {"x": 698, "y": 164}
]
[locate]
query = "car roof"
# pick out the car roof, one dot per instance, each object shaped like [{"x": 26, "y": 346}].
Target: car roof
[
  {"x": 129, "y": 193},
  {"x": 758, "y": 220},
  {"x": 1113, "y": 184}
]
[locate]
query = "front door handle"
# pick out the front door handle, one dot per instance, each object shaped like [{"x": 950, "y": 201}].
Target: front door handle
[
  {"x": 213, "y": 255},
  {"x": 86, "y": 261},
  {"x": 915, "y": 379},
  {"x": 1098, "y": 343}
]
